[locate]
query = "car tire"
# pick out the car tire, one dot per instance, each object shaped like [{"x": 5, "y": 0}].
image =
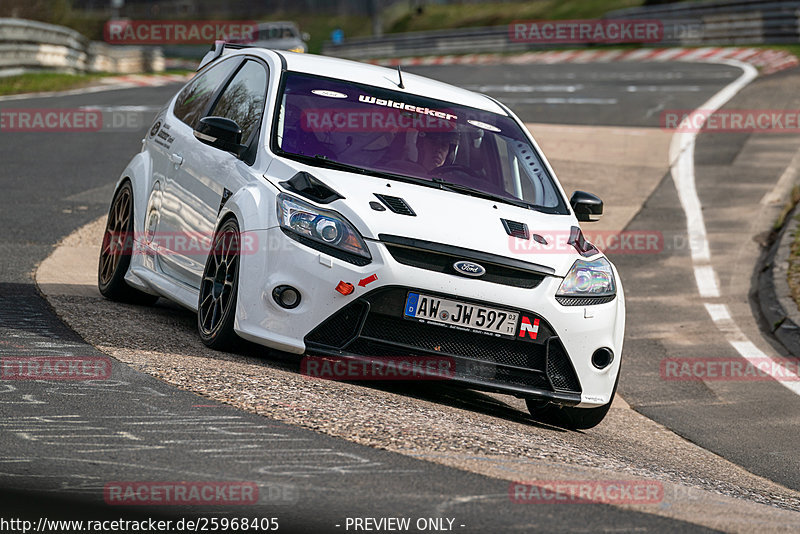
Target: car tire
[
  {"x": 570, "y": 417},
  {"x": 216, "y": 307},
  {"x": 116, "y": 250}
]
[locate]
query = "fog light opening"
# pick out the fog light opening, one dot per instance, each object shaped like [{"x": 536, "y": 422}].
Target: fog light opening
[
  {"x": 602, "y": 358},
  {"x": 286, "y": 297}
]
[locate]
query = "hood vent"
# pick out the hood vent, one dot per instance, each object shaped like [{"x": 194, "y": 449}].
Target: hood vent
[
  {"x": 396, "y": 204},
  {"x": 312, "y": 188},
  {"x": 516, "y": 229}
]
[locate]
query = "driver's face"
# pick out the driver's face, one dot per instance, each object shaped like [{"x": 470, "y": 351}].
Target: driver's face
[{"x": 436, "y": 149}]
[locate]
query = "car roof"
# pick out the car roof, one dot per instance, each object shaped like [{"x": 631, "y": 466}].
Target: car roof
[{"x": 354, "y": 71}]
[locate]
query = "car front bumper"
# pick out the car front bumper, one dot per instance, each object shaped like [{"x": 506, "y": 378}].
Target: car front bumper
[{"x": 369, "y": 324}]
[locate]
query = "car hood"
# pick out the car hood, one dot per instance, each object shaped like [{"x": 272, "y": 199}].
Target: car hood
[{"x": 441, "y": 216}]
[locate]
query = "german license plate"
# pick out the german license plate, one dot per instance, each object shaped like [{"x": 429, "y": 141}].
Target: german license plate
[{"x": 460, "y": 314}]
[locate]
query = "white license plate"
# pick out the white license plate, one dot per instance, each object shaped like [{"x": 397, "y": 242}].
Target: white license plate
[{"x": 460, "y": 314}]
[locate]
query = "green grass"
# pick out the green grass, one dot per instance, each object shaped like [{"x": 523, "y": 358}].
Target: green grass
[
  {"x": 36, "y": 82},
  {"x": 400, "y": 18},
  {"x": 439, "y": 16},
  {"x": 794, "y": 198},
  {"x": 793, "y": 272}
]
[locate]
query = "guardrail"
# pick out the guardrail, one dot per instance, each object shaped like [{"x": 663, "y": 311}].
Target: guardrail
[
  {"x": 27, "y": 45},
  {"x": 684, "y": 24},
  {"x": 727, "y": 21}
]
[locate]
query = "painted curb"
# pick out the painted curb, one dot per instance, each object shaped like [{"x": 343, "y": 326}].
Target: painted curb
[{"x": 768, "y": 61}]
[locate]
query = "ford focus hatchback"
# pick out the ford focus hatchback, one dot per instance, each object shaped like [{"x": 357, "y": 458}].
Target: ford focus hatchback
[{"x": 326, "y": 207}]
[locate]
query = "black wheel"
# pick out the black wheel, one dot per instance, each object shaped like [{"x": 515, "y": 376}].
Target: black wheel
[
  {"x": 216, "y": 308},
  {"x": 574, "y": 418},
  {"x": 116, "y": 250}
]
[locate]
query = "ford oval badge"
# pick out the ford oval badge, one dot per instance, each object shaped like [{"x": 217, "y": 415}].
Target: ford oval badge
[{"x": 469, "y": 268}]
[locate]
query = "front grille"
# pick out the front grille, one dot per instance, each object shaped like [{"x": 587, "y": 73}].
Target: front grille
[
  {"x": 373, "y": 326},
  {"x": 443, "y": 263}
]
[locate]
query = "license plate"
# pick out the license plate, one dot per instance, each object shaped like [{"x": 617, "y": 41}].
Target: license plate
[{"x": 460, "y": 314}]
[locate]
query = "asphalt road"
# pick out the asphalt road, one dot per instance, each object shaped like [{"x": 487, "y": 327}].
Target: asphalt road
[
  {"x": 754, "y": 424},
  {"x": 136, "y": 427}
]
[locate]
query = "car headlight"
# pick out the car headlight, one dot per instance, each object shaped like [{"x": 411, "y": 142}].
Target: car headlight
[
  {"x": 323, "y": 226},
  {"x": 589, "y": 279}
]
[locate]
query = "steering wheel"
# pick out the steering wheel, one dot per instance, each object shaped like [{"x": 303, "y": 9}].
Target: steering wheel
[{"x": 447, "y": 169}]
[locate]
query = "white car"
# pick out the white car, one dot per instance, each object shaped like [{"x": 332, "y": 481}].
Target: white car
[{"x": 326, "y": 207}]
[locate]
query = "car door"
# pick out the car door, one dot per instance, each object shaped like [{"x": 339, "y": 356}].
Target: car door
[
  {"x": 208, "y": 176},
  {"x": 172, "y": 207}
]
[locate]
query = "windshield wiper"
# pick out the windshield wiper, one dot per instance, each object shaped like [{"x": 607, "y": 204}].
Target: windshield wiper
[
  {"x": 458, "y": 188},
  {"x": 338, "y": 165}
]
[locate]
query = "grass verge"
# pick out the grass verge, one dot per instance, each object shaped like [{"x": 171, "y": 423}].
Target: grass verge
[
  {"x": 793, "y": 272},
  {"x": 36, "y": 82}
]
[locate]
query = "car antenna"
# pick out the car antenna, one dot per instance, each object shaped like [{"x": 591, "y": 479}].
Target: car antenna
[{"x": 400, "y": 75}]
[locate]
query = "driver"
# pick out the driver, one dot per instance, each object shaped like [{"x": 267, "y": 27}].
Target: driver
[{"x": 434, "y": 148}]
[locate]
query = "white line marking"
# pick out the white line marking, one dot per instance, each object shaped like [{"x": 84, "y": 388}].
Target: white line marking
[
  {"x": 681, "y": 156},
  {"x": 718, "y": 312},
  {"x": 752, "y": 354},
  {"x": 559, "y": 100},
  {"x": 513, "y": 88},
  {"x": 706, "y": 280},
  {"x": 662, "y": 88}
]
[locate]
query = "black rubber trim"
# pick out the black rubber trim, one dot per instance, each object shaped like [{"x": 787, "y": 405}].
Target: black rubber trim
[
  {"x": 283, "y": 60},
  {"x": 467, "y": 253}
]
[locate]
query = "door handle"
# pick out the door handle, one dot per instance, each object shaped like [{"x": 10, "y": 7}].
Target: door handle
[{"x": 177, "y": 159}]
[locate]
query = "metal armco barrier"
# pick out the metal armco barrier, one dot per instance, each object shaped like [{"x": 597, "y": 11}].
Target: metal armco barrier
[
  {"x": 685, "y": 24},
  {"x": 29, "y": 45}
]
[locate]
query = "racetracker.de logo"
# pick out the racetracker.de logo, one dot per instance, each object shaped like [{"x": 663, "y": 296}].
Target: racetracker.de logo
[
  {"x": 56, "y": 368},
  {"x": 731, "y": 120},
  {"x": 607, "y": 241},
  {"x": 386, "y": 368},
  {"x": 190, "y": 244},
  {"x": 51, "y": 120},
  {"x": 586, "y": 31},
  {"x": 373, "y": 120},
  {"x": 731, "y": 369},
  {"x": 180, "y": 493},
  {"x": 142, "y": 32},
  {"x": 586, "y": 491}
]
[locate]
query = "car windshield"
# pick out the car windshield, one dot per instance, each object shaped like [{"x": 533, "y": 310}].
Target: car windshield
[{"x": 338, "y": 123}]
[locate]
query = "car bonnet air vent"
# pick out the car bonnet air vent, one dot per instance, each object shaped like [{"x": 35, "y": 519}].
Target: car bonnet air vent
[
  {"x": 516, "y": 229},
  {"x": 396, "y": 204},
  {"x": 310, "y": 187}
]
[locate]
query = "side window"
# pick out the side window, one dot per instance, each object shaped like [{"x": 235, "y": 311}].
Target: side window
[
  {"x": 243, "y": 99},
  {"x": 196, "y": 97}
]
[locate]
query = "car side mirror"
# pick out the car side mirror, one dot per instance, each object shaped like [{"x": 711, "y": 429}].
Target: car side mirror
[
  {"x": 587, "y": 207},
  {"x": 305, "y": 36},
  {"x": 220, "y": 133}
]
